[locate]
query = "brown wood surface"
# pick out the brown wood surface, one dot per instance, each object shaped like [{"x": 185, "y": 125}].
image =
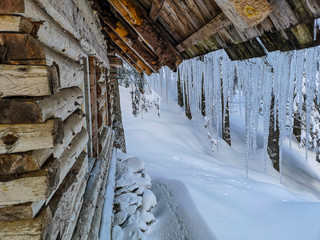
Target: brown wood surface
[
  {"x": 13, "y": 23},
  {"x": 22, "y": 49},
  {"x": 94, "y": 110},
  {"x": 156, "y": 8},
  {"x": 11, "y": 6}
]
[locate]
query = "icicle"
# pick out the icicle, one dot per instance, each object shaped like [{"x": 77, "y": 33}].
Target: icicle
[{"x": 292, "y": 76}]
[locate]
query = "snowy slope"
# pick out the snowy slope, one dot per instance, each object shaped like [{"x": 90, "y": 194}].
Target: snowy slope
[{"x": 206, "y": 196}]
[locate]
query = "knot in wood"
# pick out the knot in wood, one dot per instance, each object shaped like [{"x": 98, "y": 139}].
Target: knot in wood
[{"x": 9, "y": 139}]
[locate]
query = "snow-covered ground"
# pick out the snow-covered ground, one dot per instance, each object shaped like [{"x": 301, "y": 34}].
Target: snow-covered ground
[{"x": 206, "y": 196}]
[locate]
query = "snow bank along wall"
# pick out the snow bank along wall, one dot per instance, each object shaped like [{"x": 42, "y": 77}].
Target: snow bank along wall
[{"x": 59, "y": 117}]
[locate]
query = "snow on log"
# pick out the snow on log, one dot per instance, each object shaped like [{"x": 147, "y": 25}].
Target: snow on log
[
  {"x": 59, "y": 105},
  {"x": 25, "y": 137},
  {"x": 133, "y": 199}
]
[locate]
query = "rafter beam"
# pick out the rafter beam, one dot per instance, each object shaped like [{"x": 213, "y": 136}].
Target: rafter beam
[
  {"x": 125, "y": 48},
  {"x": 216, "y": 24},
  {"x": 130, "y": 39},
  {"x": 137, "y": 19},
  {"x": 156, "y": 9}
]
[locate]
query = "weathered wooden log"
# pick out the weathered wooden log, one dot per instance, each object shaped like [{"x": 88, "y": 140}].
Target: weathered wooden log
[
  {"x": 245, "y": 14},
  {"x": 93, "y": 102},
  {"x": 104, "y": 137},
  {"x": 25, "y": 229},
  {"x": 70, "y": 155},
  {"x": 91, "y": 195},
  {"x": 51, "y": 34},
  {"x": 24, "y": 211},
  {"x": 101, "y": 118},
  {"x": 21, "y": 80},
  {"x": 71, "y": 127},
  {"x": 34, "y": 186},
  {"x": 101, "y": 101},
  {"x": 25, "y": 137},
  {"x": 17, "y": 163},
  {"x": 101, "y": 88},
  {"x": 12, "y": 23},
  {"x": 69, "y": 229},
  {"x": 71, "y": 73},
  {"x": 59, "y": 105},
  {"x": 11, "y": 6},
  {"x": 19, "y": 49},
  {"x": 96, "y": 220},
  {"x": 66, "y": 198},
  {"x": 41, "y": 185}
]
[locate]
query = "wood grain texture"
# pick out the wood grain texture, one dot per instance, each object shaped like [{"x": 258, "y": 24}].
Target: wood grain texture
[
  {"x": 12, "y": 23},
  {"x": 37, "y": 110},
  {"x": 156, "y": 8},
  {"x": 17, "y": 163},
  {"x": 21, "y": 49},
  {"x": 25, "y": 137},
  {"x": 66, "y": 199},
  {"x": 20, "y": 80},
  {"x": 11, "y": 6},
  {"x": 215, "y": 25},
  {"x": 245, "y": 14},
  {"x": 136, "y": 18}
]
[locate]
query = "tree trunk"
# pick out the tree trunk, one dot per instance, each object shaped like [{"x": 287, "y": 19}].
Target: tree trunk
[
  {"x": 203, "y": 98},
  {"x": 225, "y": 118},
  {"x": 180, "y": 93},
  {"x": 297, "y": 126},
  {"x": 274, "y": 135}
]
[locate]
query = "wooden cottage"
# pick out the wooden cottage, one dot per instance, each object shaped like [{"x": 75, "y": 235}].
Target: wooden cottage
[{"x": 60, "y": 116}]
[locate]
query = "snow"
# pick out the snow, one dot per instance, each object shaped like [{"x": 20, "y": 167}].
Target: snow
[{"x": 205, "y": 195}]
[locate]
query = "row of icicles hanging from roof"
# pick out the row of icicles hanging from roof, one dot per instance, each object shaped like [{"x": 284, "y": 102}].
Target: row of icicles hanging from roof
[{"x": 282, "y": 88}]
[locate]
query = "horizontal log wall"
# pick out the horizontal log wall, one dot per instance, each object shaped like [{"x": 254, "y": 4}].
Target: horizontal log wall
[{"x": 44, "y": 166}]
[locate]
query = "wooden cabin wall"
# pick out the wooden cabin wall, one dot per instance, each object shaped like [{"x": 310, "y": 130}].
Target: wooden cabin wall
[{"x": 56, "y": 120}]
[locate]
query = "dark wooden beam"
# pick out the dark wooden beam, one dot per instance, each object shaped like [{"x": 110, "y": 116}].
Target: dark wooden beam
[
  {"x": 125, "y": 48},
  {"x": 216, "y": 24},
  {"x": 156, "y": 8},
  {"x": 135, "y": 16},
  {"x": 131, "y": 40},
  {"x": 94, "y": 110}
]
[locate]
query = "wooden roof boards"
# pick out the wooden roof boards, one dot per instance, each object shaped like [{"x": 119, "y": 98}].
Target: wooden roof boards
[{"x": 163, "y": 32}]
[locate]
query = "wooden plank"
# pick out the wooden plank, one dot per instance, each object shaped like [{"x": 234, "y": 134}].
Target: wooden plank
[
  {"x": 66, "y": 199},
  {"x": 13, "y": 23},
  {"x": 19, "y": 49},
  {"x": 156, "y": 8},
  {"x": 136, "y": 18},
  {"x": 36, "y": 110},
  {"x": 11, "y": 6},
  {"x": 216, "y": 24},
  {"x": 71, "y": 127},
  {"x": 25, "y": 137},
  {"x": 24, "y": 211},
  {"x": 94, "y": 110},
  {"x": 17, "y": 163},
  {"x": 245, "y": 14},
  {"x": 21, "y": 80},
  {"x": 25, "y": 229}
]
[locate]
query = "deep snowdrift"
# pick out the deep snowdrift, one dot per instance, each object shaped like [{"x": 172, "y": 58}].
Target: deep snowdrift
[{"x": 206, "y": 196}]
